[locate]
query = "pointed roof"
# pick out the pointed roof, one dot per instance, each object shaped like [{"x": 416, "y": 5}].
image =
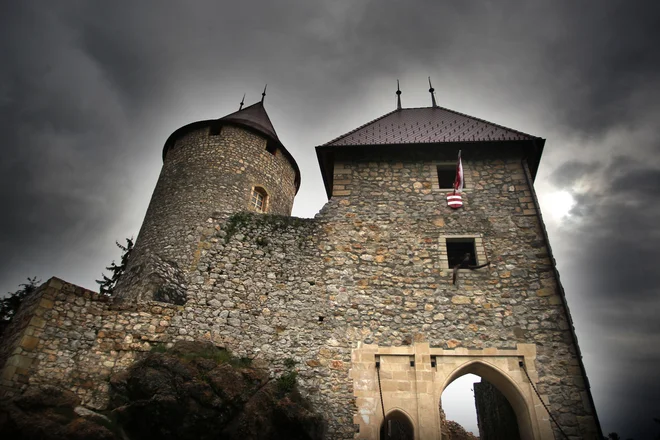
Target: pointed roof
[
  {"x": 253, "y": 117},
  {"x": 427, "y": 125}
]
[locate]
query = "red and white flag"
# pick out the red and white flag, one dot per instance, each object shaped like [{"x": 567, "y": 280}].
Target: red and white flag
[
  {"x": 458, "y": 182},
  {"x": 454, "y": 200}
]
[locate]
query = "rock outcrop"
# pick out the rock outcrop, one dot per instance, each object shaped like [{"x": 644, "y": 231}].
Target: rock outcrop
[
  {"x": 197, "y": 391},
  {"x": 49, "y": 413},
  {"x": 191, "y": 391}
]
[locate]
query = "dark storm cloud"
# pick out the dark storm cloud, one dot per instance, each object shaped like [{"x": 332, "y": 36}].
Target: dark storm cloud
[
  {"x": 616, "y": 229},
  {"x": 89, "y": 91}
]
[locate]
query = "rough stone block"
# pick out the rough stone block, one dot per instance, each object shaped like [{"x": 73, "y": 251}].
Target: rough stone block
[{"x": 29, "y": 343}]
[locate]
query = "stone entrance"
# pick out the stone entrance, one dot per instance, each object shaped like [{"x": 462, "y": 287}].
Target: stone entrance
[
  {"x": 397, "y": 426},
  {"x": 412, "y": 379}
]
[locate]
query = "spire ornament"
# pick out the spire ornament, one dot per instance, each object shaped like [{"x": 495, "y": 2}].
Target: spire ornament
[
  {"x": 398, "y": 96},
  {"x": 242, "y": 102},
  {"x": 432, "y": 91},
  {"x": 263, "y": 94}
]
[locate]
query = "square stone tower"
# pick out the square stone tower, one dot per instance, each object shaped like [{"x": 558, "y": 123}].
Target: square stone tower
[{"x": 392, "y": 243}]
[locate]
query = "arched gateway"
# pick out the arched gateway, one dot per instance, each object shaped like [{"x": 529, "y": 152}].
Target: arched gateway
[
  {"x": 411, "y": 380},
  {"x": 397, "y": 426}
]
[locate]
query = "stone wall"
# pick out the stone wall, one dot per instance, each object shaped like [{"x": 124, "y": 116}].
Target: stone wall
[
  {"x": 495, "y": 417},
  {"x": 386, "y": 279},
  {"x": 74, "y": 339}
]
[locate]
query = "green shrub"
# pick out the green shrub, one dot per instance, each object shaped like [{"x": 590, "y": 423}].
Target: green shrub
[
  {"x": 287, "y": 382},
  {"x": 159, "y": 348}
]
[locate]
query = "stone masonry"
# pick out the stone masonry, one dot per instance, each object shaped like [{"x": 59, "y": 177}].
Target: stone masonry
[{"x": 367, "y": 277}]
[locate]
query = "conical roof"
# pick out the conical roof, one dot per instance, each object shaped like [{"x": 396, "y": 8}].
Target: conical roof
[{"x": 254, "y": 117}]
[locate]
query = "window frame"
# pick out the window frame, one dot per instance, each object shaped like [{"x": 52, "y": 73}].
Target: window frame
[
  {"x": 480, "y": 252},
  {"x": 467, "y": 181},
  {"x": 263, "y": 192}
]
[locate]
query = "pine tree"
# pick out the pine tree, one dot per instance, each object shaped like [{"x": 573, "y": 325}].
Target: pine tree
[
  {"x": 9, "y": 305},
  {"x": 106, "y": 285}
]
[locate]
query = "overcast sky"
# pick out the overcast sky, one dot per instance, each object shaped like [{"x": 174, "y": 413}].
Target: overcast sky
[{"x": 89, "y": 91}]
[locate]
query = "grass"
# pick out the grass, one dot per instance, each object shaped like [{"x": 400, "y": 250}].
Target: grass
[
  {"x": 218, "y": 355},
  {"x": 159, "y": 348}
]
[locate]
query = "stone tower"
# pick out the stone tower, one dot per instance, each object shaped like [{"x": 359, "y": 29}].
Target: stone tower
[
  {"x": 211, "y": 169},
  {"x": 392, "y": 242}
]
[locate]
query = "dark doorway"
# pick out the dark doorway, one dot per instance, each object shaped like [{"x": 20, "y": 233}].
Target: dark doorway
[{"x": 397, "y": 426}]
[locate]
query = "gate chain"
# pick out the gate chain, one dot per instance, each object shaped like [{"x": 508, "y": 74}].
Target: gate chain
[{"x": 522, "y": 364}]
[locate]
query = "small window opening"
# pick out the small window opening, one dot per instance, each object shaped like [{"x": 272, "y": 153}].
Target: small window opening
[
  {"x": 271, "y": 147},
  {"x": 321, "y": 318},
  {"x": 457, "y": 248},
  {"x": 446, "y": 176},
  {"x": 259, "y": 199},
  {"x": 215, "y": 129}
]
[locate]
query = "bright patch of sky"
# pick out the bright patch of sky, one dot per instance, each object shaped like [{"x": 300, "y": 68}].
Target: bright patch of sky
[{"x": 458, "y": 402}]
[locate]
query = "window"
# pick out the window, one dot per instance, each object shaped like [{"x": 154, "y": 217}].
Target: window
[
  {"x": 215, "y": 129},
  {"x": 446, "y": 176},
  {"x": 259, "y": 199},
  {"x": 452, "y": 250},
  {"x": 457, "y": 248},
  {"x": 271, "y": 147}
]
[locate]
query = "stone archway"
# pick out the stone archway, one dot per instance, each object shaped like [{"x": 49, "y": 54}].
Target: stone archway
[
  {"x": 504, "y": 385},
  {"x": 413, "y": 377},
  {"x": 397, "y": 426}
]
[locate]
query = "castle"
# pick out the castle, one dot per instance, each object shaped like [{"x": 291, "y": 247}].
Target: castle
[{"x": 361, "y": 296}]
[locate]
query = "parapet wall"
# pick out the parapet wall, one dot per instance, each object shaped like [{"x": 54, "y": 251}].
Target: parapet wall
[{"x": 70, "y": 337}]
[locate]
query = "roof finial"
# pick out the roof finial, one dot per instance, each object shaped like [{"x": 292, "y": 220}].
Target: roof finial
[
  {"x": 242, "y": 102},
  {"x": 432, "y": 91},
  {"x": 263, "y": 95},
  {"x": 398, "y": 96}
]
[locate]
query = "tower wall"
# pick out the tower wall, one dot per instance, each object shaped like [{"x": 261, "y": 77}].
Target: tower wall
[{"x": 204, "y": 175}]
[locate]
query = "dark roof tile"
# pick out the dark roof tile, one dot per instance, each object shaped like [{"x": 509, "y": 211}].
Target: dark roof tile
[{"x": 427, "y": 125}]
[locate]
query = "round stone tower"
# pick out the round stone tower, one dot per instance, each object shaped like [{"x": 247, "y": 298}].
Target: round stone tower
[{"x": 211, "y": 168}]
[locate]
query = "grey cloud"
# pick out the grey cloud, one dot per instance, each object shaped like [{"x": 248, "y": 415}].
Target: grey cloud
[
  {"x": 568, "y": 173},
  {"x": 90, "y": 91}
]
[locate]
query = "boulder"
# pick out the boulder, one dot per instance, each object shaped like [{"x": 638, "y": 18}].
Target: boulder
[{"x": 50, "y": 413}]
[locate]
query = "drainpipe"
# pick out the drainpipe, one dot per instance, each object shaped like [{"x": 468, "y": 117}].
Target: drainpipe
[{"x": 562, "y": 294}]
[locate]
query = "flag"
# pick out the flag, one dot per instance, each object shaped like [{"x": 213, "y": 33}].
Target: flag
[{"x": 458, "y": 182}]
